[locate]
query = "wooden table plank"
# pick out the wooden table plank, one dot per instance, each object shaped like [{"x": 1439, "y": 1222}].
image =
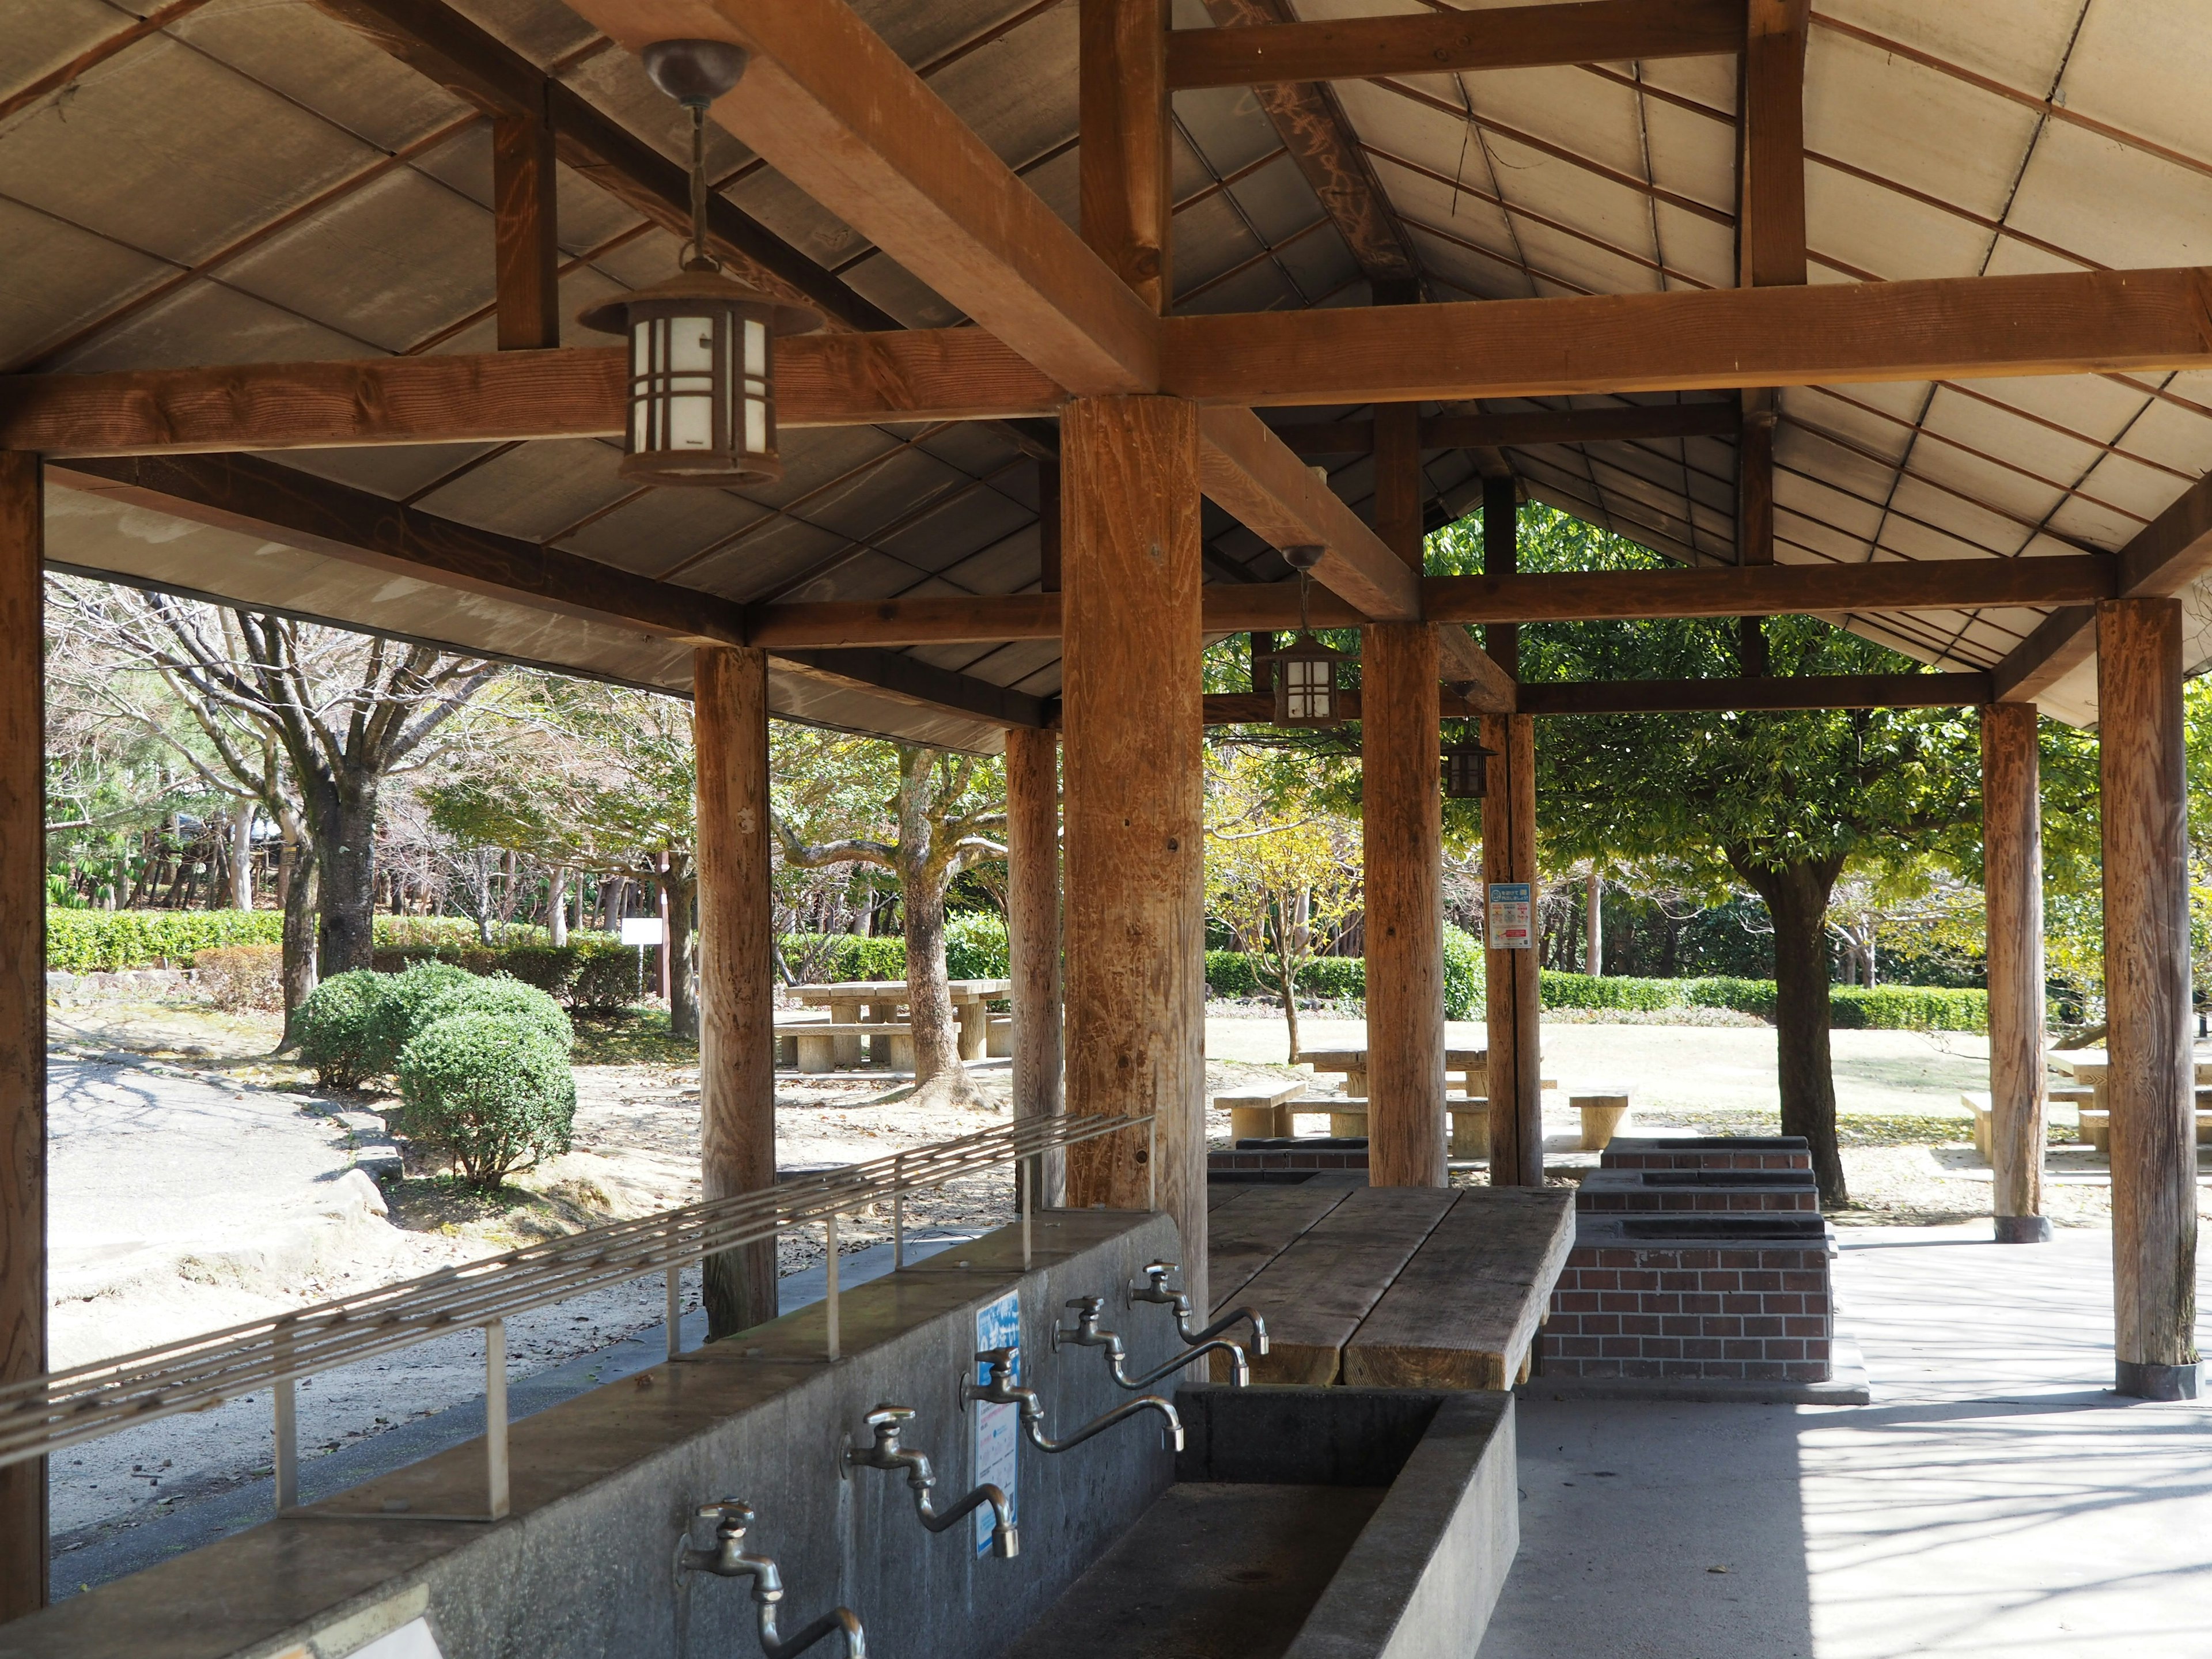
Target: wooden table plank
[
  {"x": 1463, "y": 1312},
  {"x": 1326, "y": 1281},
  {"x": 1254, "y": 1228}
]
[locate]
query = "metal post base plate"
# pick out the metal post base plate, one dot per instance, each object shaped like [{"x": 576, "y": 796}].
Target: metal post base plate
[
  {"x": 2142, "y": 1382},
  {"x": 2023, "y": 1229}
]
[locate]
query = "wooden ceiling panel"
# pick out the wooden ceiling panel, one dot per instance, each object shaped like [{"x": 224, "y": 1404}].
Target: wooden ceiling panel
[
  {"x": 2128, "y": 208},
  {"x": 206, "y": 322},
  {"x": 78, "y": 276},
  {"x": 1861, "y": 225},
  {"x": 533, "y": 490},
  {"x": 1566, "y": 106},
  {"x": 2028, "y": 51},
  {"x": 314, "y": 60},
  {"x": 658, "y": 531},
  {"x": 398, "y": 472},
  {"x": 2140, "y": 68}
]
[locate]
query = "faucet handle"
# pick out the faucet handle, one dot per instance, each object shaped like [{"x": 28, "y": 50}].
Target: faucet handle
[
  {"x": 1156, "y": 1290},
  {"x": 889, "y": 1414},
  {"x": 735, "y": 1514},
  {"x": 1087, "y": 1304}
]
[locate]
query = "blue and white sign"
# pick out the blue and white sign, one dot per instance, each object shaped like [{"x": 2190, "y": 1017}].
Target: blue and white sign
[
  {"x": 998, "y": 1428},
  {"x": 1506, "y": 919}
]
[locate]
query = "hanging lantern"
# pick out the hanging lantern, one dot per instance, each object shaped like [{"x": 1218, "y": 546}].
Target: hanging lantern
[
  {"x": 1466, "y": 769},
  {"x": 701, "y": 347},
  {"x": 1307, "y": 689}
]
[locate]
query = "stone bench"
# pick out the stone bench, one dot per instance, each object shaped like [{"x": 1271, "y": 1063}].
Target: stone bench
[
  {"x": 2096, "y": 1129},
  {"x": 1259, "y": 1114},
  {"x": 999, "y": 1042},
  {"x": 1602, "y": 1112},
  {"x": 817, "y": 1045}
]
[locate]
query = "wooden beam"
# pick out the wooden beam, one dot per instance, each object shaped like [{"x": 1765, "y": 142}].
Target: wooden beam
[
  {"x": 264, "y": 498},
  {"x": 2069, "y": 323},
  {"x": 736, "y": 976},
  {"x": 478, "y": 68},
  {"x": 1123, "y": 160},
  {"x": 822, "y": 379},
  {"x": 934, "y": 619},
  {"x": 2163, "y": 559},
  {"x": 525, "y": 238},
  {"x": 1517, "y": 37},
  {"x": 1460, "y": 662},
  {"x": 1454, "y": 701},
  {"x": 828, "y": 104},
  {"x": 22, "y": 1013},
  {"x": 1770, "y": 590},
  {"x": 2149, "y": 1082},
  {"x": 1712, "y": 418},
  {"x": 2012, "y": 884},
  {"x": 1323, "y": 146},
  {"x": 1250, "y": 473},
  {"x": 1777, "y": 693}
]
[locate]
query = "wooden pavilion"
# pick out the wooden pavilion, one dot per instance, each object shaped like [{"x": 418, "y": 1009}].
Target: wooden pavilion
[{"x": 1884, "y": 314}]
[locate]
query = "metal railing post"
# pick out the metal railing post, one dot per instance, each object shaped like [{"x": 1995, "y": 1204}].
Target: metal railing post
[
  {"x": 830, "y": 1302},
  {"x": 898, "y": 1211},
  {"x": 675, "y": 1310},
  {"x": 285, "y": 1461},
  {"x": 496, "y": 1417},
  {"x": 1023, "y": 1203}
]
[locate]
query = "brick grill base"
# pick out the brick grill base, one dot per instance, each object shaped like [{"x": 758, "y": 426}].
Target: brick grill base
[
  {"x": 1638, "y": 1309},
  {"x": 1282, "y": 1164}
]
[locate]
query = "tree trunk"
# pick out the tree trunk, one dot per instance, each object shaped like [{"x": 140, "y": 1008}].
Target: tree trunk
[
  {"x": 344, "y": 831},
  {"x": 556, "y": 908},
  {"x": 681, "y": 892},
  {"x": 1796, "y": 897},
  {"x": 299, "y": 885},
  {"x": 929, "y": 997},
  {"x": 1594, "y": 925}
]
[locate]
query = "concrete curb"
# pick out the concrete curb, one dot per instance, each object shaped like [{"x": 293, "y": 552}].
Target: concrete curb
[{"x": 1848, "y": 1386}]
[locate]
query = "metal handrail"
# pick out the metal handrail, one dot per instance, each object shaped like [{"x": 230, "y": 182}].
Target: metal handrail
[{"x": 43, "y": 1414}]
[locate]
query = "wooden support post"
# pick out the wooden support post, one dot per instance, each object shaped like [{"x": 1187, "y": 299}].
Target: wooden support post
[
  {"x": 1123, "y": 164},
  {"x": 526, "y": 219},
  {"x": 1508, "y": 854},
  {"x": 737, "y": 1003},
  {"x": 1033, "y": 936},
  {"x": 1133, "y": 782},
  {"x": 2012, "y": 883},
  {"x": 2150, "y": 1084},
  {"x": 23, "y": 1012},
  {"x": 1401, "y": 819},
  {"x": 1501, "y": 508}
]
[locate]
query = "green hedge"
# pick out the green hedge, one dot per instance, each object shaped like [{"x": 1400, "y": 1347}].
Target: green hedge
[
  {"x": 491, "y": 1095},
  {"x": 1235, "y": 973},
  {"x": 1465, "y": 968},
  {"x": 1889, "y": 1007},
  {"x": 595, "y": 972},
  {"x": 108, "y": 941}
]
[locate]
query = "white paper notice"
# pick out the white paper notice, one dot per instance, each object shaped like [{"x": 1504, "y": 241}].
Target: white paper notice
[
  {"x": 998, "y": 1428},
  {"x": 1506, "y": 918}
]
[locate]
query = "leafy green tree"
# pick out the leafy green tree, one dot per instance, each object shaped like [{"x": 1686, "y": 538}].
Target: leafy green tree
[{"x": 920, "y": 813}]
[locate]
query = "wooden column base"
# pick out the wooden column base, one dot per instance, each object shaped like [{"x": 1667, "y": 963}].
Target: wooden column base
[
  {"x": 2139, "y": 1380},
  {"x": 2023, "y": 1229}
]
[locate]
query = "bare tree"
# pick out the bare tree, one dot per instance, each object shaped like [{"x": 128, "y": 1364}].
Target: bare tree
[{"x": 331, "y": 712}]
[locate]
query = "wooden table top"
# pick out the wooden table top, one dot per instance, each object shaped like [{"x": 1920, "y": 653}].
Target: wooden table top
[
  {"x": 895, "y": 990},
  {"x": 1391, "y": 1286},
  {"x": 1355, "y": 1059}
]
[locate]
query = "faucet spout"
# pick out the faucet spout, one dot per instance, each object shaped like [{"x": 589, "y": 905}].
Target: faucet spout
[
  {"x": 1155, "y": 1289},
  {"x": 1086, "y": 1333},
  {"x": 728, "y": 1559},
  {"x": 1002, "y": 1390},
  {"x": 886, "y": 1453}
]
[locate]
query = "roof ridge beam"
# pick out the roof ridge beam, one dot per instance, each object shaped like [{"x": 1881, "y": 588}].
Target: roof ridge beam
[{"x": 1516, "y": 37}]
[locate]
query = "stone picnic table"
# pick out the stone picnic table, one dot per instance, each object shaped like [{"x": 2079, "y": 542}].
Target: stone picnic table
[
  {"x": 1392, "y": 1287},
  {"x": 1468, "y": 1109},
  {"x": 2087, "y": 1070},
  {"x": 862, "y": 1003}
]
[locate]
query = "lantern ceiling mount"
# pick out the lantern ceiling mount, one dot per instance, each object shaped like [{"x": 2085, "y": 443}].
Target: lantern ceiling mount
[{"x": 701, "y": 347}]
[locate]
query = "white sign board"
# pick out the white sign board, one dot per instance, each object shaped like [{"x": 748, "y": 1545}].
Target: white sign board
[
  {"x": 643, "y": 930},
  {"x": 1506, "y": 920},
  {"x": 998, "y": 1428},
  {"x": 412, "y": 1640}
]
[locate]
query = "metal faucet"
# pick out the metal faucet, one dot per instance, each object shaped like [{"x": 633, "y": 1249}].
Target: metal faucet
[
  {"x": 1001, "y": 1390},
  {"x": 1086, "y": 1334},
  {"x": 1155, "y": 1289},
  {"x": 728, "y": 1559},
  {"x": 886, "y": 1454}
]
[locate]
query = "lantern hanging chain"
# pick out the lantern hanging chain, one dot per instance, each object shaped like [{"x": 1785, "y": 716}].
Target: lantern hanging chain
[
  {"x": 1305, "y": 578},
  {"x": 701, "y": 259}
]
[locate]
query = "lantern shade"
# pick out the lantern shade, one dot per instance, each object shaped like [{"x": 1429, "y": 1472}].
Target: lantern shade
[
  {"x": 1466, "y": 770},
  {"x": 701, "y": 378},
  {"x": 1307, "y": 689}
]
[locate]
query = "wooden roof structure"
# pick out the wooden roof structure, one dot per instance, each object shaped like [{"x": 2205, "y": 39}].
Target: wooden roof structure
[{"x": 262, "y": 267}]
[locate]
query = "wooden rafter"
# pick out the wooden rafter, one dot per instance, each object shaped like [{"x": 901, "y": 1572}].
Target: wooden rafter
[
  {"x": 1778, "y": 692},
  {"x": 264, "y": 499},
  {"x": 477, "y": 67},
  {"x": 2166, "y": 558},
  {"x": 1523, "y": 428},
  {"x": 1314, "y": 128},
  {"x": 1518, "y": 37}
]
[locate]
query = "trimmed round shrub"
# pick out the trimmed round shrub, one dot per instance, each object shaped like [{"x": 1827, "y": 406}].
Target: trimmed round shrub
[
  {"x": 606, "y": 979},
  {"x": 505, "y": 999},
  {"x": 491, "y": 1096},
  {"x": 399, "y": 1017},
  {"x": 334, "y": 1029},
  {"x": 552, "y": 968}
]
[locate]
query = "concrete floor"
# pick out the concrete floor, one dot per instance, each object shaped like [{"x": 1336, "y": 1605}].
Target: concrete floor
[{"x": 1993, "y": 1499}]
